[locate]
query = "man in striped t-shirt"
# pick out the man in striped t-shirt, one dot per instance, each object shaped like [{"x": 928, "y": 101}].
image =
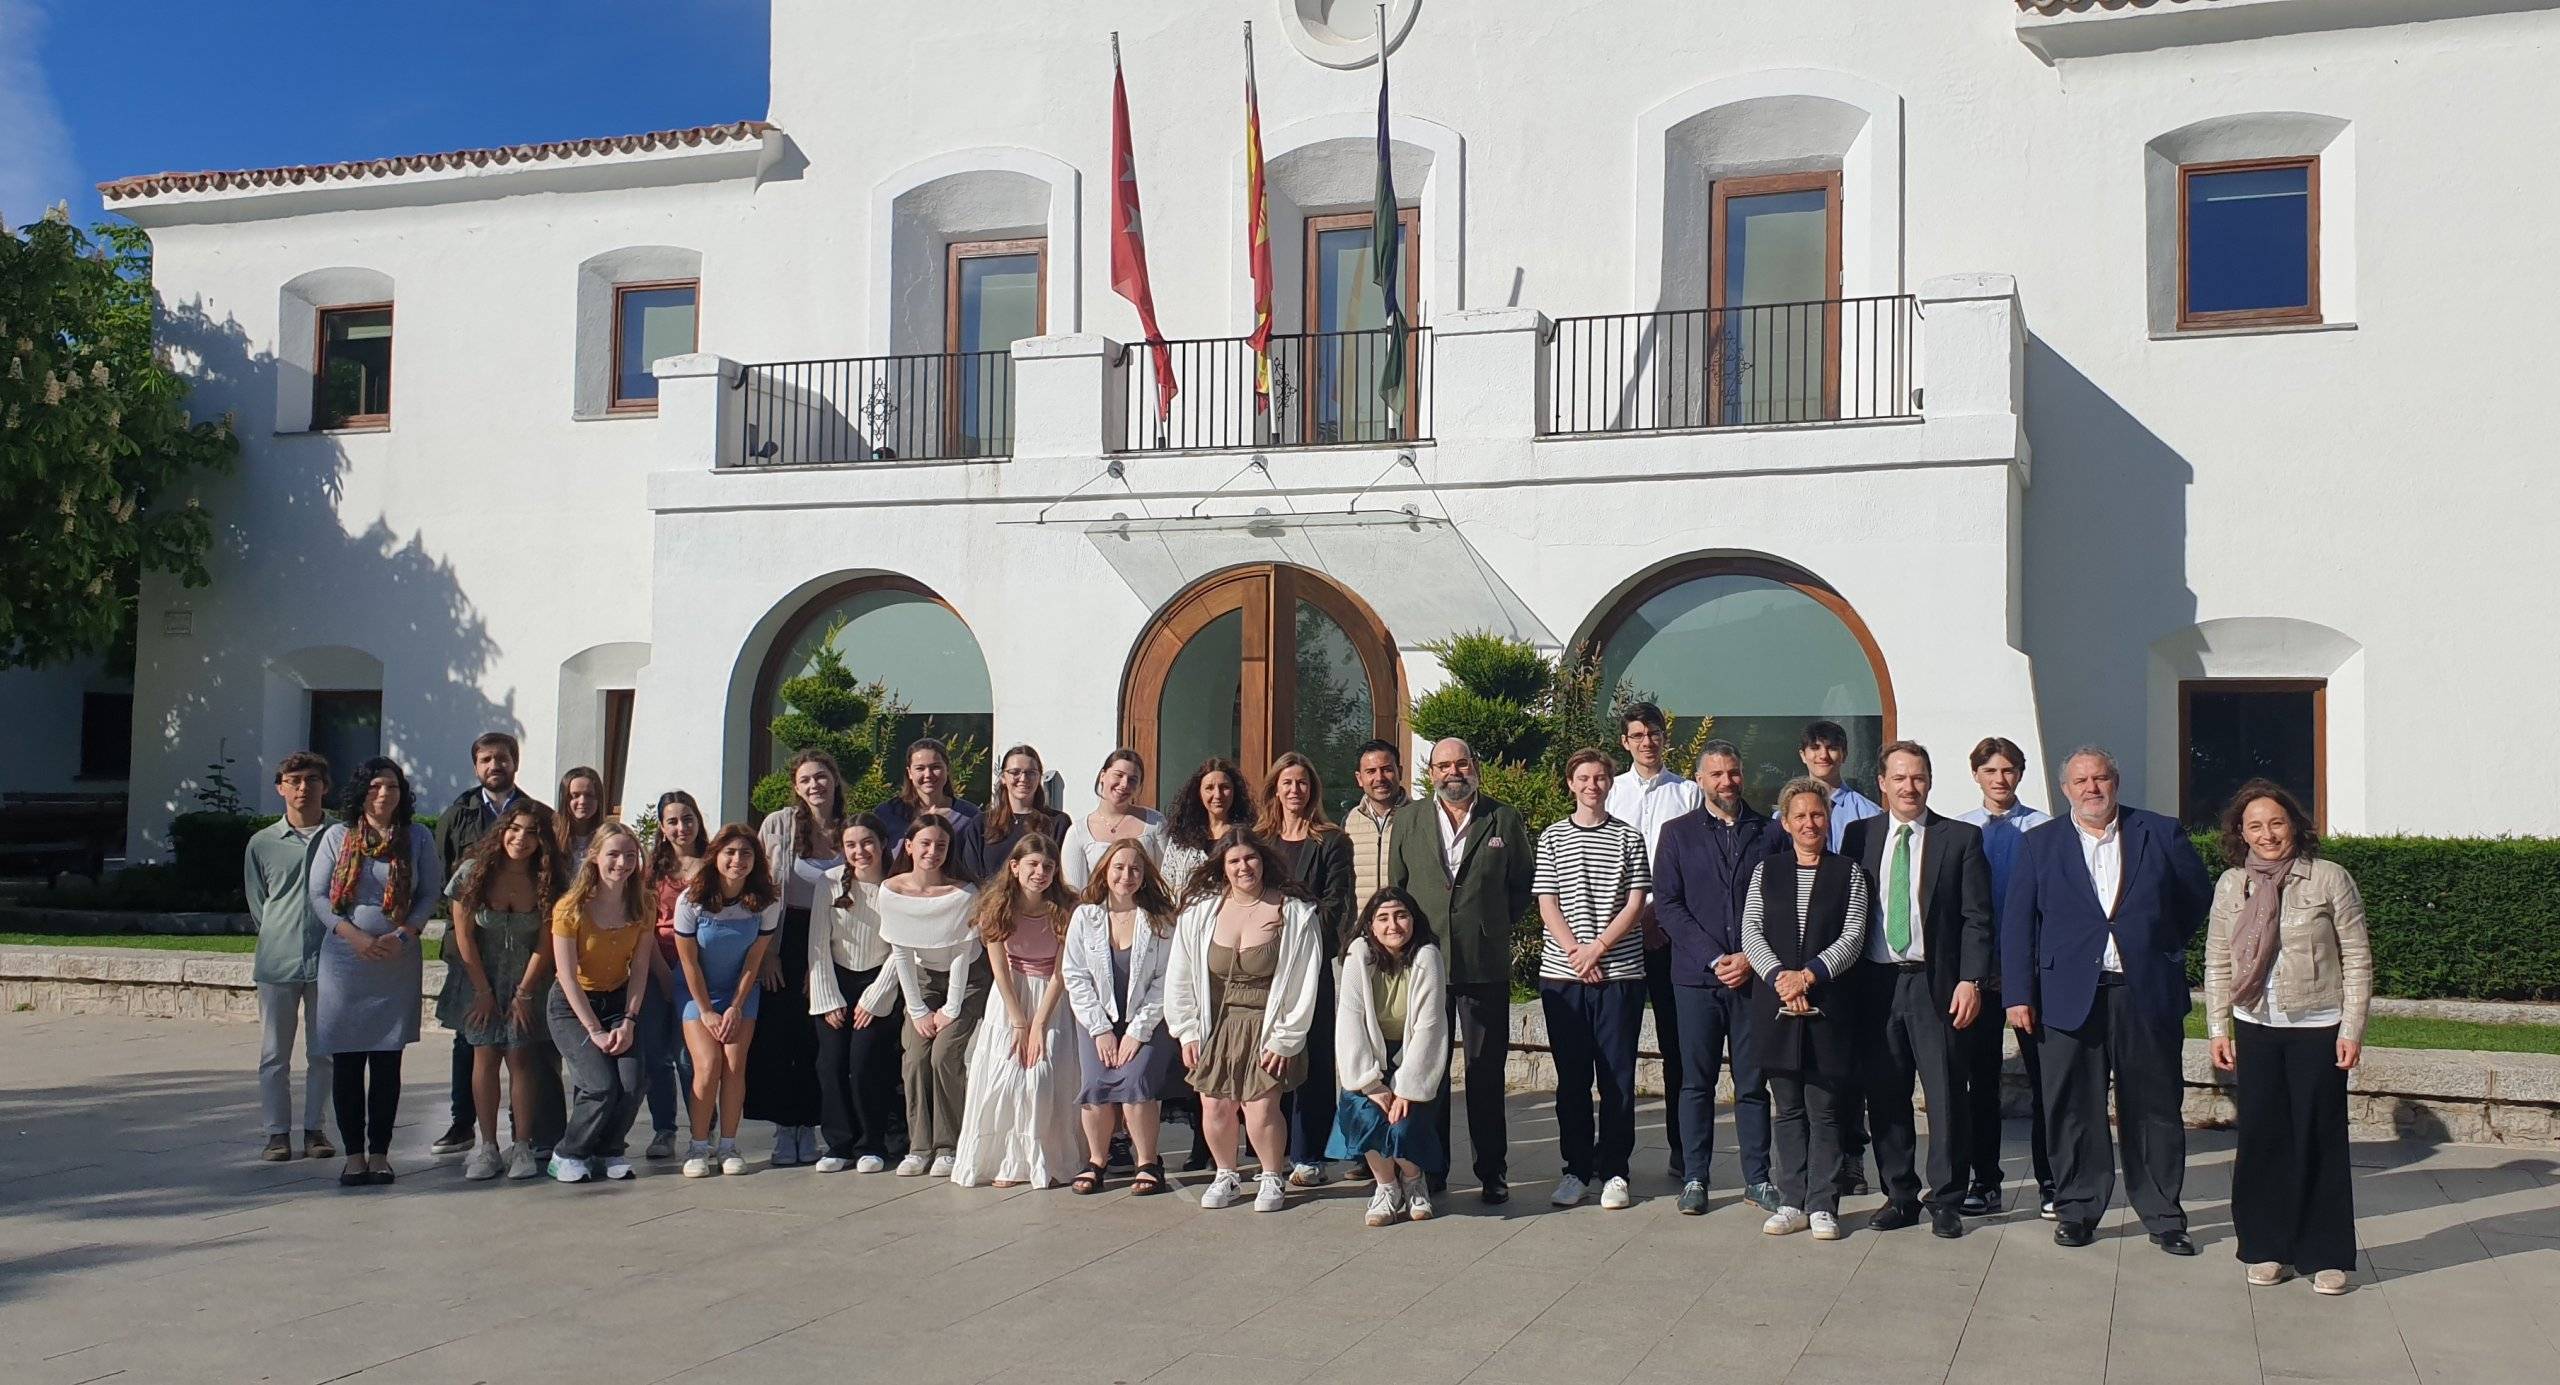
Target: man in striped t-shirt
[{"x": 1592, "y": 881}]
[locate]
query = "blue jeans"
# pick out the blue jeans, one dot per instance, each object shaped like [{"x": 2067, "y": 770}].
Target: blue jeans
[
  {"x": 664, "y": 1062},
  {"x": 1591, "y": 1034},
  {"x": 1716, "y": 1021}
]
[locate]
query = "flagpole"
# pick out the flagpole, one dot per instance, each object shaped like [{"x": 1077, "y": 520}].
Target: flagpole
[{"x": 1395, "y": 314}]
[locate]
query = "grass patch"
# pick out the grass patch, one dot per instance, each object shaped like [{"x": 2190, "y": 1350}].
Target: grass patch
[
  {"x": 162, "y": 942},
  {"x": 2412, "y": 1031}
]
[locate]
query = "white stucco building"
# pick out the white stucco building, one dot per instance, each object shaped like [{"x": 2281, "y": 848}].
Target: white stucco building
[{"x": 2070, "y": 372}]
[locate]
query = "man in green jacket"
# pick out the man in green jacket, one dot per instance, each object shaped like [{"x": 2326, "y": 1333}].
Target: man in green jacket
[
  {"x": 1466, "y": 860},
  {"x": 275, "y": 874}
]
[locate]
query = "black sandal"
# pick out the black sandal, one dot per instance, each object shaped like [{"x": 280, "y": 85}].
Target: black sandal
[
  {"x": 1088, "y": 1181},
  {"x": 1148, "y": 1179}
]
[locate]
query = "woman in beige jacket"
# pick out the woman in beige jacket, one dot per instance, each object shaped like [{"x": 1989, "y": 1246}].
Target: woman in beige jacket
[{"x": 2288, "y": 976}]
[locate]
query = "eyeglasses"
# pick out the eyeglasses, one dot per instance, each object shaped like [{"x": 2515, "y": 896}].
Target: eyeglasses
[{"x": 1022, "y": 774}]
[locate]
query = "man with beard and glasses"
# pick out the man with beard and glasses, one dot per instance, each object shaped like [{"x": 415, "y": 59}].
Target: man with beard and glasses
[
  {"x": 1466, "y": 859},
  {"x": 1704, "y": 864}
]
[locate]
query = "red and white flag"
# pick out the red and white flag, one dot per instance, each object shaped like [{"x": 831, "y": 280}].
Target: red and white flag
[{"x": 1129, "y": 238}]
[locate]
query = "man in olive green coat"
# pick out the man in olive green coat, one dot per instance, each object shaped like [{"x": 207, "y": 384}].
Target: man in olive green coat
[{"x": 1466, "y": 860}]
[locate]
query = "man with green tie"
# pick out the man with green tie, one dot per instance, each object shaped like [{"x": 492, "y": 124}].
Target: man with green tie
[{"x": 1927, "y": 955}]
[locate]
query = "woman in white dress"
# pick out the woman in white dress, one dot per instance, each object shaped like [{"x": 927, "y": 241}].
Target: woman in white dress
[
  {"x": 1116, "y": 816},
  {"x": 1019, "y": 1122}
]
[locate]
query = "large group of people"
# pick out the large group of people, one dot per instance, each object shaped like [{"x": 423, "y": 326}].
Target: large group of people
[{"x": 1011, "y": 996}]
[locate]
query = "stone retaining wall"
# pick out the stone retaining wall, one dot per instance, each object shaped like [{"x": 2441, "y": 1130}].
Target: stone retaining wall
[{"x": 147, "y": 983}]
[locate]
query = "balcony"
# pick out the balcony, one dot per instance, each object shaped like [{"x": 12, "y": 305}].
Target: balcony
[
  {"x": 1326, "y": 390},
  {"x": 945, "y": 407},
  {"x": 1824, "y": 361}
]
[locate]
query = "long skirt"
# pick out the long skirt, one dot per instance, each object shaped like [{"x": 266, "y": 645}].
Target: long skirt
[
  {"x": 1019, "y": 1124},
  {"x": 782, "y": 1067}
]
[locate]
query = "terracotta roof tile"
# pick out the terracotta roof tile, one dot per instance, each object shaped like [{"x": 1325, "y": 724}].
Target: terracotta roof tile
[{"x": 154, "y": 184}]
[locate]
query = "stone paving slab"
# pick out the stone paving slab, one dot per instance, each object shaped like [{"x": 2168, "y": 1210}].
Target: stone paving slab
[{"x": 140, "y": 1240}]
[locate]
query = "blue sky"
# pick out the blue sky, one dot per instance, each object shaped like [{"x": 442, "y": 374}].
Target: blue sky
[{"x": 91, "y": 91}]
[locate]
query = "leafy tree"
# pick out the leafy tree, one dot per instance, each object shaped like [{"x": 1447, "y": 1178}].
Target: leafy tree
[{"x": 97, "y": 450}]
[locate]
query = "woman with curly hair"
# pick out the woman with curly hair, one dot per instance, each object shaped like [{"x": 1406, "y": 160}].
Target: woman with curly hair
[
  {"x": 1214, "y": 799},
  {"x": 502, "y": 895}
]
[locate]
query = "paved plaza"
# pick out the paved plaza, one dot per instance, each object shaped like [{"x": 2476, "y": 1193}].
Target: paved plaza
[{"x": 141, "y": 1241}]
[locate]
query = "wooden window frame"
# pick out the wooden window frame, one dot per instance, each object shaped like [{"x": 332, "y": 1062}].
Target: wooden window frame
[
  {"x": 1721, "y": 192},
  {"x": 954, "y": 359},
  {"x": 620, "y": 705},
  {"x": 1267, "y": 594},
  {"x": 615, "y": 403},
  {"x": 1693, "y": 569},
  {"x": 2319, "y": 690},
  {"x": 1311, "y": 297},
  {"x": 320, "y": 370},
  {"x": 2306, "y": 315}
]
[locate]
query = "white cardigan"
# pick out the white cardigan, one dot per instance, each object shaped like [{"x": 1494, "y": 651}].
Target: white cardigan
[
  {"x": 848, "y": 938},
  {"x": 1086, "y": 969},
  {"x": 1360, "y": 1044},
  {"x": 1080, "y": 840},
  {"x": 1292, "y": 1008}
]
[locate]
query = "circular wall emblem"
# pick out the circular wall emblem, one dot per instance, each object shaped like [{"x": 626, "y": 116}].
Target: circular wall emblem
[{"x": 1344, "y": 33}]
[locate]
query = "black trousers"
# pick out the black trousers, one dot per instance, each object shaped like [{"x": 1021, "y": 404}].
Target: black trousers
[
  {"x": 1591, "y": 1034},
  {"x": 2292, "y": 1192},
  {"x": 782, "y": 1064},
  {"x": 365, "y": 1087},
  {"x": 1983, "y": 1097},
  {"x": 1902, "y": 1034},
  {"x": 1804, "y": 1133},
  {"x": 2138, "y": 1053},
  {"x": 1664, "y": 999},
  {"x": 1480, "y": 1015},
  {"x": 1309, "y": 1107},
  {"x": 858, "y": 1076}
]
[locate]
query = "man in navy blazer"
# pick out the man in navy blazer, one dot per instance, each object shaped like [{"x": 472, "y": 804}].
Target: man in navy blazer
[{"x": 2093, "y": 943}]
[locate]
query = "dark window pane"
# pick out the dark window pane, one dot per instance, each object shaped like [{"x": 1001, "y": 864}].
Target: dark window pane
[
  {"x": 346, "y": 726},
  {"x": 2249, "y": 240},
  {"x": 650, "y": 324},
  {"x": 106, "y": 735},
  {"x": 355, "y": 366},
  {"x": 2238, "y": 734}
]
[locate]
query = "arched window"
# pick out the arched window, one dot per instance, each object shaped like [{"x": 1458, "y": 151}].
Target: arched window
[
  {"x": 1761, "y": 647},
  {"x": 1257, "y": 661},
  {"x": 899, "y": 633}
]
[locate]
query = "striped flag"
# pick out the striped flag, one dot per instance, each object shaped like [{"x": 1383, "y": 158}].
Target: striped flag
[
  {"x": 1386, "y": 248},
  {"x": 1129, "y": 238},
  {"x": 1257, "y": 234}
]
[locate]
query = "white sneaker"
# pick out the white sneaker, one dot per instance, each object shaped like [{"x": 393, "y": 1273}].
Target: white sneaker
[
  {"x": 1309, "y": 1175},
  {"x": 732, "y": 1163},
  {"x": 1786, "y": 1221},
  {"x": 942, "y": 1165},
  {"x": 484, "y": 1163},
  {"x": 1570, "y": 1191},
  {"x": 1222, "y": 1190},
  {"x": 1273, "y": 1195},
  {"x": 697, "y": 1160},
  {"x": 913, "y": 1166},
  {"x": 1826, "y": 1227},
  {"x": 1386, "y": 1205},
  {"x": 618, "y": 1169},
  {"x": 1615, "y": 1195},
  {"x": 1417, "y": 1197},
  {"x": 521, "y": 1163},
  {"x": 567, "y": 1170},
  {"x": 832, "y": 1164},
  {"x": 870, "y": 1163}
]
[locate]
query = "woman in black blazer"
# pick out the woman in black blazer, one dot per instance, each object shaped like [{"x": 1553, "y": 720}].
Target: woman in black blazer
[
  {"x": 1804, "y": 922},
  {"x": 1318, "y": 856}
]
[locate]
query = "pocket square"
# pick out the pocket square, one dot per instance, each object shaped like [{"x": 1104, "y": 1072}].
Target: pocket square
[{"x": 1493, "y": 843}]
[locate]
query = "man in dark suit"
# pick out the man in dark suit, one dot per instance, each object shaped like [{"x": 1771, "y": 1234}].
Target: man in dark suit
[
  {"x": 1929, "y": 945},
  {"x": 1467, "y": 861},
  {"x": 1704, "y": 864},
  {"x": 2093, "y": 941}
]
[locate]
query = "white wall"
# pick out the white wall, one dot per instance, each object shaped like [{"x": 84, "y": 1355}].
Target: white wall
[{"x": 2346, "y": 479}]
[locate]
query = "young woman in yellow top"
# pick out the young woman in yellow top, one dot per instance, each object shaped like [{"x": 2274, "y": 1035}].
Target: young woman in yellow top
[{"x": 597, "y": 930}]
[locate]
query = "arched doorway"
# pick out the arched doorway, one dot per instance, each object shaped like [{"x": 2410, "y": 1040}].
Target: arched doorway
[
  {"x": 892, "y": 630},
  {"x": 1761, "y": 647},
  {"x": 1257, "y": 661}
]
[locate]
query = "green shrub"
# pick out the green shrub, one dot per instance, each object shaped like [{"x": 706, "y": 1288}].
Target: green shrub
[
  {"x": 1497, "y": 666},
  {"x": 1495, "y": 729},
  {"x": 2464, "y": 917},
  {"x": 207, "y": 846}
]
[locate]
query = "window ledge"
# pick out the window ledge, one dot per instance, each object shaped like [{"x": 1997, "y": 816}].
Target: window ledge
[
  {"x": 601, "y": 415},
  {"x": 332, "y": 432},
  {"x": 2259, "y": 329}
]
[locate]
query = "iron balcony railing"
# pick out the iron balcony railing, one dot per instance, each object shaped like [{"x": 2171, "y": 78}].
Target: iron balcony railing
[
  {"x": 945, "y": 406},
  {"x": 1822, "y": 361},
  {"x": 1326, "y": 389}
]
